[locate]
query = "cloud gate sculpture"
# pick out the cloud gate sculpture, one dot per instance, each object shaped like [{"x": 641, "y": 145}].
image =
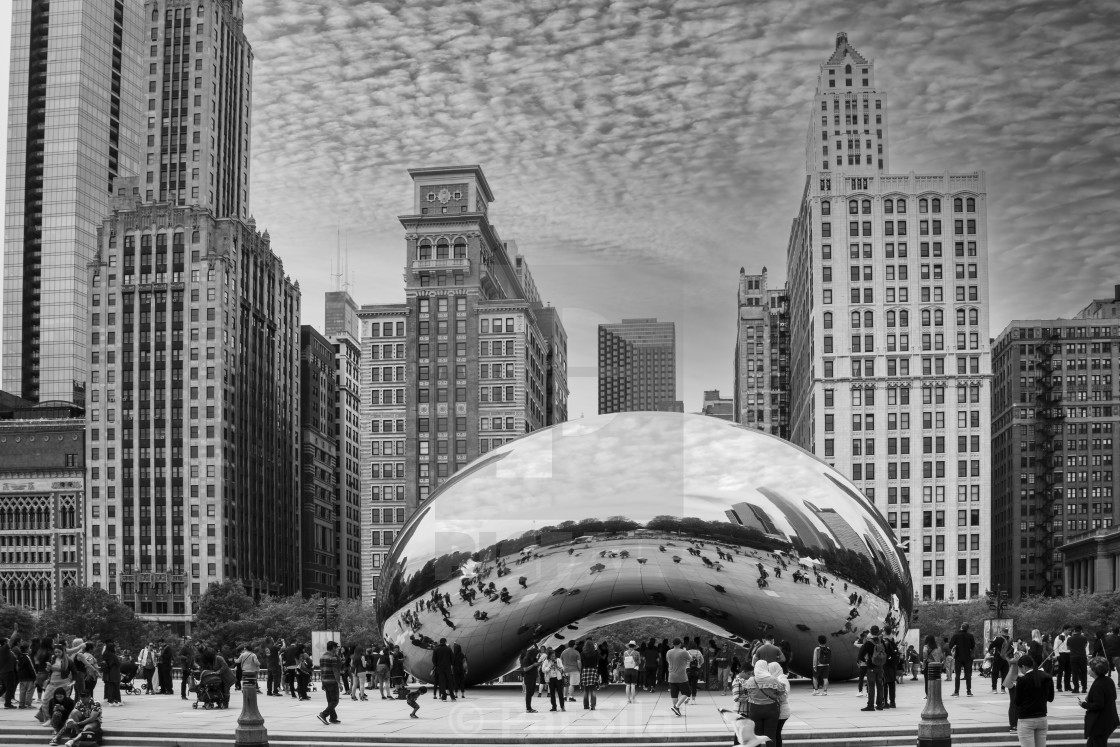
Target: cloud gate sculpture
[{"x": 637, "y": 514}]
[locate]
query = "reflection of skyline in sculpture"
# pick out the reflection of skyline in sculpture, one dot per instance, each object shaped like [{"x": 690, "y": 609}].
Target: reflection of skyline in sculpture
[
  {"x": 754, "y": 517},
  {"x": 695, "y": 516},
  {"x": 844, "y": 535},
  {"x": 803, "y": 527}
]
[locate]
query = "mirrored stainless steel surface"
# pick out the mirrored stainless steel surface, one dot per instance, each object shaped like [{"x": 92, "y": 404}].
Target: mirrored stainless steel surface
[{"x": 637, "y": 514}]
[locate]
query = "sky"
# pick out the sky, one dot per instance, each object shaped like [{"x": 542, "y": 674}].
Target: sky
[{"x": 640, "y": 153}]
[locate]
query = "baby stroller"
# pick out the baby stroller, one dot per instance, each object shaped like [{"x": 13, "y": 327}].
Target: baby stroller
[
  {"x": 208, "y": 690},
  {"x": 128, "y": 685}
]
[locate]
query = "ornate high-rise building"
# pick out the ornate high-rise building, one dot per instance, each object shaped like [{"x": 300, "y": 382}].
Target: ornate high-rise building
[
  {"x": 74, "y": 98},
  {"x": 472, "y": 359},
  {"x": 1055, "y": 420},
  {"x": 638, "y": 366},
  {"x": 198, "y": 73},
  {"x": 890, "y": 366},
  {"x": 193, "y": 433},
  {"x": 762, "y": 356}
]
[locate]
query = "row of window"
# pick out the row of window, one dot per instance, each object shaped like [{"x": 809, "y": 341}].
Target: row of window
[
  {"x": 891, "y": 206},
  {"x": 900, "y": 227}
]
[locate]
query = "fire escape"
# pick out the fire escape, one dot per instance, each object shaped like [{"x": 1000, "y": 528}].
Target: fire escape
[{"x": 1049, "y": 467}]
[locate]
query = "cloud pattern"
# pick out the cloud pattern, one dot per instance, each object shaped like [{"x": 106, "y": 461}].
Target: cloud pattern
[{"x": 642, "y": 151}]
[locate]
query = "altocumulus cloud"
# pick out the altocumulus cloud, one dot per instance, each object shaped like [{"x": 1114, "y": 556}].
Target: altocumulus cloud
[{"x": 641, "y": 152}]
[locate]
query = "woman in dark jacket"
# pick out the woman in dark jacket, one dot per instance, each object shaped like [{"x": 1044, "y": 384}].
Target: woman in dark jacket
[
  {"x": 1100, "y": 705},
  {"x": 589, "y": 660},
  {"x": 111, "y": 671},
  {"x": 458, "y": 670}
]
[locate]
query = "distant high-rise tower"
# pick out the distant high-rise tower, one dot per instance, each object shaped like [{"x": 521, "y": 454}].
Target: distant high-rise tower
[
  {"x": 74, "y": 97},
  {"x": 762, "y": 356},
  {"x": 319, "y": 456},
  {"x": 890, "y": 365},
  {"x": 199, "y": 91},
  {"x": 472, "y": 360},
  {"x": 638, "y": 366}
]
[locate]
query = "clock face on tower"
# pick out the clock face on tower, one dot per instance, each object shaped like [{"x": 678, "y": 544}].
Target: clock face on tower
[{"x": 444, "y": 195}]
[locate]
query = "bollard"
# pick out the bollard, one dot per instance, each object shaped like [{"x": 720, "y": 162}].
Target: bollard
[
  {"x": 250, "y": 730},
  {"x": 934, "y": 730}
]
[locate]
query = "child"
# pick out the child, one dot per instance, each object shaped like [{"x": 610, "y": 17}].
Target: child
[
  {"x": 413, "y": 698},
  {"x": 743, "y": 728}
]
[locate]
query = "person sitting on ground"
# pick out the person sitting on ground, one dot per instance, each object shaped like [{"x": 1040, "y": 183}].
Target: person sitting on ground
[{"x": 84, "y": 724}]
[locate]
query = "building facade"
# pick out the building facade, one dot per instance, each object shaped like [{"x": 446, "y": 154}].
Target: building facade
[
  {"x": 761, "y": 398},
  {"x": 43, "y": 538},
  {"x": 638, "y": 366},
  {"x": 890, "y": 361},
  {"x": 193, "y": 430},
  {"x": 319, "y": 504},
  {"x": 343, "y": 330},
  {"x": 198, "y": 80},
  {"x": 1055, "y": 414},
  {"x": 473, "y": 358},
  {"x": 716, "y": 406},
  {"x": 73, "y": 120}
]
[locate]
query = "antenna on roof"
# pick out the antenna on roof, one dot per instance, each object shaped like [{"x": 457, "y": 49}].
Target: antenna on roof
[
  {"x": 337, "y": 274},
  {"x": 346, "y": 266}
]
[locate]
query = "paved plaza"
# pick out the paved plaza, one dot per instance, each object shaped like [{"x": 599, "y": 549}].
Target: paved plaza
[{"x": 496, "y": 714}]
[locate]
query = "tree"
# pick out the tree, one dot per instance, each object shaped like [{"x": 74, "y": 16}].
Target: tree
[
  {"x": 94, "y": 614},
  {"x": 225, "y": 616},
  {"x": 11, "y": 616}
]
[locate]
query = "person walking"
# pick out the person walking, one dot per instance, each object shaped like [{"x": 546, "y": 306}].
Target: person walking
[
  {"x": 1033, "y": 690},
  {"x": 822, "y": 660},
  {"x": 147, "y": 662},
  {"x": 695, "y": 666},
  {"x": 962, "y": 645},
  {"x": 330, "y": 674},
  {"x": 289, "y": 659},
  {"x": 589, "y": 679},
  {"x": 631, "y": 665},
  {"x": 999, "y": 663},
  {"x": 304, "y": 668},
  {"x": 1100, "y": 705},
  {"x": 1112, "y": 649},
  {"x": 873, "y": 654},
  {"x": 1078, "y": 645},
  {"x": 678, "y": 659},
  {"x": 651, "y": 662},
  {"x": 530, "y": 663}
]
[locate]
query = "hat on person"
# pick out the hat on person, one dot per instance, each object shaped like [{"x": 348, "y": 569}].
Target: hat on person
[
  {"x": 632, "y": 643},
  {"x": 77, "y": 642}
]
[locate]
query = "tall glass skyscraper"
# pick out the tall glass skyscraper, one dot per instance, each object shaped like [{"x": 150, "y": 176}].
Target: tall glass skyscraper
[{"x": 73, "y": 114}]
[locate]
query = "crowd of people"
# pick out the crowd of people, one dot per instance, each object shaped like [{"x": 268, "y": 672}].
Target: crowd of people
[{"x": 56, "y": 677}]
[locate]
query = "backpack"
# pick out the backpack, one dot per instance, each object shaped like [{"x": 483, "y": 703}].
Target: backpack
[
  {"x": 630, "y": 660},
  {"x": 824, "y": 656},
  {"x": 878, "y": 654},
  {"x": 77, "y": 664}
]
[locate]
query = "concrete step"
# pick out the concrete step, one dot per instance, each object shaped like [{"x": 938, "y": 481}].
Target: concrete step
[{"x": 1060, "y": 735}]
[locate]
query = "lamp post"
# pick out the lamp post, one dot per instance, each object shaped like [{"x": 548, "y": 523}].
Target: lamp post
[
  {"x": 250, "y": 730},
  {"x": 934, "y": 729},
  {"x": 997, "y": 600}
]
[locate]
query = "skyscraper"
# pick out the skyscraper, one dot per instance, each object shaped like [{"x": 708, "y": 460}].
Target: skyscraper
[
  {"x": 193, "y": 432},
  {"x": 74, "y": 98},
  {"x": 718, "y": 407},
  {"x": 890, "y": 364},
  {"x": 319, "y": 454},
  {"x": 472, "y": 359},
  {"x": 199, "y": 91},
  {"x": 638, "y": 366},
  {"x": 762, "y": 355},
  {"x": 1055, "y": 415},
  {"x": 343, "y": 330}
]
